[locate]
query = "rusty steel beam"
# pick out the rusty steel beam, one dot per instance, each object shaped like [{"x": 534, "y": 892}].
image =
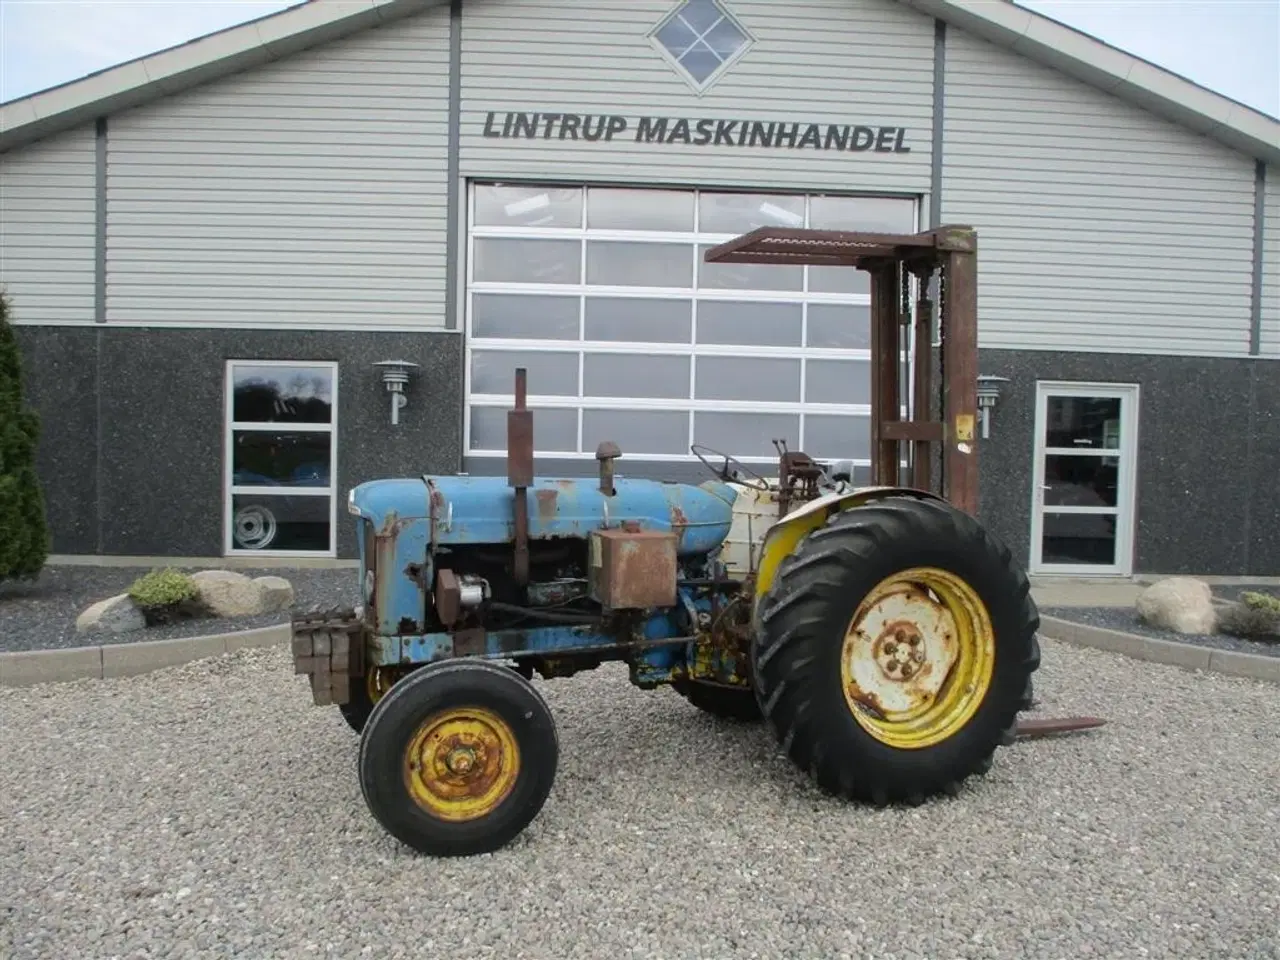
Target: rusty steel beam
[
  {"x": 1050, "y": 726},
  {"x": 885, "y": 374},
  {"x": 520, "y": 472},
  {"x": 921, "y": 350},
  {"x": 960, "y": 380}
]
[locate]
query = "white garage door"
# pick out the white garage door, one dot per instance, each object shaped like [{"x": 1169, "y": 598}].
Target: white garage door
[{"x": 627, "y": 335}]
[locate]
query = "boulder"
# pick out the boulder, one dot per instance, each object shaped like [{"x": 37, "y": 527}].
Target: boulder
[
  {"x": 229, "y": 594},
  {"x": 1180, "y": 604},
  {"x": 114, "y": 615},
  {"x": 277, "y": 593}
]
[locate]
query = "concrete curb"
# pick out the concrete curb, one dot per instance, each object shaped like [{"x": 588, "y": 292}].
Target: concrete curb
[
  {"x": 1189, "y": 656},
  {"x": 25, "y": 668}
]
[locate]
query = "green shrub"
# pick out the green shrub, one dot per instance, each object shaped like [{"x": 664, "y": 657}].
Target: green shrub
[
  {"x": 1260, "y": 601},
  {"x": 162, "y": 588},
  {"x": 24, "y": 533},
  {"x": 1251, "y": 620}
]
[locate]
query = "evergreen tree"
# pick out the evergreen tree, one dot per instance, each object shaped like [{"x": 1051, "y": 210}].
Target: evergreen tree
[{"x": 24, "y": 535}]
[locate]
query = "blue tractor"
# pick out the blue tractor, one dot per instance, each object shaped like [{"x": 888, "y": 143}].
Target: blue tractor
[{"x": 884, "y": 637}]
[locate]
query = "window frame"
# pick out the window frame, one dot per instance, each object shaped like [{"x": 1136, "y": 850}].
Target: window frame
[
  {"x": 582, "y": 291},
  {"x": 230, "y": 490}
]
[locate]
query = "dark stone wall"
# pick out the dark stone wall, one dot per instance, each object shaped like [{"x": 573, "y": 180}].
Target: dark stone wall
[
  {"x": 1208, "y": 498},
  {"x": 131, "y": 449}
]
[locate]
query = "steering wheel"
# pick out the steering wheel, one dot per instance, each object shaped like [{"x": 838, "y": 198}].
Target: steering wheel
[{"x": 723, "y": 473}]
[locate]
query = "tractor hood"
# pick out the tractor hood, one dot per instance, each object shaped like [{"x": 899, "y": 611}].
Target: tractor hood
[{"x": 480, "y": 509}]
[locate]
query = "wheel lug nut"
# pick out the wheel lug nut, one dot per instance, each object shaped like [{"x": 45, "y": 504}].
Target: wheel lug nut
[{"x": 891, "y": 648}]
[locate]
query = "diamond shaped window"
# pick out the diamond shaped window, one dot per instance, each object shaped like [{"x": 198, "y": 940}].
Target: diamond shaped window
[{"x": 700, "y": 37}]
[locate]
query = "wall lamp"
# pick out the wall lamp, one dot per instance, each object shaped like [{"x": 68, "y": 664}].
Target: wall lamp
[
  {"x": 988, "y": 394},
  {"x": 395, "y": 374}
]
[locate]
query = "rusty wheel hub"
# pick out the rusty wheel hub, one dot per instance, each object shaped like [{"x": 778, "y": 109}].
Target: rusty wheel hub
[{"x": 900, "y": 650}]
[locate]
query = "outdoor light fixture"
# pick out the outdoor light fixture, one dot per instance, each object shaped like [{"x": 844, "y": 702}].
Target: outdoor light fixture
[
  {"x": 395, "y": 374},
  {"x": 988, "y": 394}
]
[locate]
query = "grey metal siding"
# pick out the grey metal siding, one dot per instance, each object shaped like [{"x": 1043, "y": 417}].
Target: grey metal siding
[
  {"x": 1271, "y": 266},
  {"x": 1100, "y": 226},
  {"x": 857, "y": 62},
  {"x": 47, "y": 229},
  {"x": 310, "y": 192}
]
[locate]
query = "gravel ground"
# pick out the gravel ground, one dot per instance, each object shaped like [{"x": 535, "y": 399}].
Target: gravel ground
[
  {"x": 42, "y": 614},
  {"x": 1125, "y": 619},
  {"x": 211, "y": 811}
]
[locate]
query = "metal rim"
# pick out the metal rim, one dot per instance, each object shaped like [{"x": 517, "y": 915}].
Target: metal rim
[
  {"x": 918, "y": 658},
  {"x": 460, "y": 764},
  {"x": 255, "y": 527},
  {"x": 378, "y": 680}
]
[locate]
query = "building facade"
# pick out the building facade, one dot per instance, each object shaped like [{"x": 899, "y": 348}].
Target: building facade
[{"x": 208, "y": 252}]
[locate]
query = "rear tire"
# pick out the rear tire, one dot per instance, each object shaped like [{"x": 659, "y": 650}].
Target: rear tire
[
  {"x": 458, "y": 758},
  {"x": 846, "y": 733}
]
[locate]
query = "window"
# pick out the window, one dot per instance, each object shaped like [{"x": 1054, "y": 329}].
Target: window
[
  {"x": 602, "y": 295},
  {"x": 281, "y": 457},
  {"x": 700, "y": 38}
]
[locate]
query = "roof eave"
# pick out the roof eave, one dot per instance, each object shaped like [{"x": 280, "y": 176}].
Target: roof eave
[
  {"x": 179, "y": 68},
  {"x": 1142, "y": 83}
]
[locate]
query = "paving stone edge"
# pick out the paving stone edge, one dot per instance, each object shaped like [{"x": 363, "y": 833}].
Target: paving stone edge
[
  {"x": 1190, "y": 656},
  {"x": 26, "y": 668}
]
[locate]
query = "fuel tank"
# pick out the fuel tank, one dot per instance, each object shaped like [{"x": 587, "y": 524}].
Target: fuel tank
[{"x": 479, "y": 509}]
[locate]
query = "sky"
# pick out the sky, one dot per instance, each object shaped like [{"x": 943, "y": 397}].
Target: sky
[{"x": 1229, "y": 46}]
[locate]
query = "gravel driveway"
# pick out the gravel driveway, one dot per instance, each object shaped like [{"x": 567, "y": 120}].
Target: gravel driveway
[{"x": 211, "y": 811}]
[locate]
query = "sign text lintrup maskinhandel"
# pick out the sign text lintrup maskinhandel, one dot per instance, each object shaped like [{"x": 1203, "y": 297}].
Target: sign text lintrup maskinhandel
[{"x": 699, "y": 133}]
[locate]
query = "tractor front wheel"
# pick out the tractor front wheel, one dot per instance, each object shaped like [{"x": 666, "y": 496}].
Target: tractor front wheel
[
  {"x": 895, "y": 649},
  {"x": 458, "y": 758}
]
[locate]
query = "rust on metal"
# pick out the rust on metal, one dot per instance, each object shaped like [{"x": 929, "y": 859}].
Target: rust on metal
[
  {"x": 606, "y": 453},
  {"x": 817, "y": 247},
  {"x": 960, "y": 380},
  {"x": 544, "y": 500},
  {"x": 520, "y": 472},
  {"x": 328, "y": 648},
  {"x": 922, "y": 351},
  {"x": 1049, "y": 726},
  {"x": 885, "y": 373},
  {"x": 633, "y": 569},
  {"x": 448, "y": 597}
]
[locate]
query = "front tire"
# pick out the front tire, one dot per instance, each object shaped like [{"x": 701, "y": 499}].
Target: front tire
[
  {"x": 895, "y": 649},
  {"x": 458, "y": 758}
]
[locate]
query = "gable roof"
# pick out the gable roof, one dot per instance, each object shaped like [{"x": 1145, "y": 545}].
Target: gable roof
[{"x": 310, "y": 23}]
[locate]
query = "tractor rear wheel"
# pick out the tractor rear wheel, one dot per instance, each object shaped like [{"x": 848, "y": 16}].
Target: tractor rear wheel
[
  {"x": 458, "y": 758},
  {"x": 895, "y": 649}
]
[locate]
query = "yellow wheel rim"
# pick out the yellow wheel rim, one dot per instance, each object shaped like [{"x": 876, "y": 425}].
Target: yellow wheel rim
[
  {"x": 378, "y": 680},
  {"x": 918, "y": 658},
  {"x": 461, "y": 764}
]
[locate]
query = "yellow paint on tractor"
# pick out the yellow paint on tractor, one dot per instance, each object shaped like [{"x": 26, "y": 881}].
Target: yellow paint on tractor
[
  {"x": 461, "y": 764},
  {"x": 785, "y": 535}
]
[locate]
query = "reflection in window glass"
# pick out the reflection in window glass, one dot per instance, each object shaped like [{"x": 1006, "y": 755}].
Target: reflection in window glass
[
  {"x": 281, "y": 394},
  {"x": 513, "y": 206},
  {"x": 623, "y": 209},
  {"x": 839, "y": 280},
  {"x": 749, "y": 324},
  {"x": 643, "y": 320},
  {"x": 548, "y": 374},
  {"x": 501, "y": 260},
  {"x": 280, "y": 459},
  {"x": 1083, "y": 422},
  {"x": 837, "y": 437},
  {"x": 747, "y": 276},
  {"x": 637, "y": 431},
  {"x": 615, "y": 264},
  {"x": 838, "y": 381},
  {"x": 839, "y": 326},
  {"x": 554, "y": 429},
  {"x": 275, "y": 521},
  {"x": 868, "y": 214},
  {"x": 635, "y": 375},
  {"x": 748, "y": 378},
  {"x": 746, "y": 434},
  {"x": 1078, "y": 538},
  {"x": 525, "y": 317},
  {"x": 740, "y": 212}
]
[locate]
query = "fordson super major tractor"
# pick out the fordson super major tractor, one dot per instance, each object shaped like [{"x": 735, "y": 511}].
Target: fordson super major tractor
[{"x": 886, "y": 639}]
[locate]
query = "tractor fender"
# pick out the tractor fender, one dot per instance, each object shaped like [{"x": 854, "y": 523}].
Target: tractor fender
[{"x": 785, "y": 535}]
